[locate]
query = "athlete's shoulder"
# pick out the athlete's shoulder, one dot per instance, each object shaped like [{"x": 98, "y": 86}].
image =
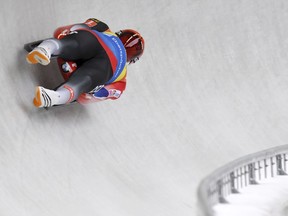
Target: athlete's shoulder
[{"x": 97, "y": 25}]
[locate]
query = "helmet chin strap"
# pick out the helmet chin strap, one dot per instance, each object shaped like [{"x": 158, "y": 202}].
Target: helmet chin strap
[
  {"x": 118, "y": 33},
  {"x": 134, "y": 60}
]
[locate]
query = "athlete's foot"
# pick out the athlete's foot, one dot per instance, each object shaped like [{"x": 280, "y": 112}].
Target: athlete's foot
[
  {"x": 45, "y": 97},
  {"x": 38, "y": 55}
]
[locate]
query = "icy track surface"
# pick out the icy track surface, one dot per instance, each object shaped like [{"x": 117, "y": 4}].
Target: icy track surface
[{"x": 210, "y": 88}]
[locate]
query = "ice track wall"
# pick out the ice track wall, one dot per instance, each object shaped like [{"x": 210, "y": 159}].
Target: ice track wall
[{"x": 245, "y": 172}]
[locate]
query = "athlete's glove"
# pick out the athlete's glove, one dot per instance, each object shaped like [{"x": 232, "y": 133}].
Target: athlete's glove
[{"x": 69, "y": 66}]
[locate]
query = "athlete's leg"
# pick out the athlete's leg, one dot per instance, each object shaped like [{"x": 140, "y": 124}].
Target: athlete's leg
[
  {"x": 63, "y": 31},
  {"x": 94, "y": 72},
  {"x": 81, "y": 45}
]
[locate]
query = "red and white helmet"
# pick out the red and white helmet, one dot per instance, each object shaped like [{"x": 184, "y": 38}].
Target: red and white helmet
[{"x": 133, "y": 43}]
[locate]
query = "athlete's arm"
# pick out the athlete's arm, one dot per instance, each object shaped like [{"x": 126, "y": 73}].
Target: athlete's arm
[
  {"x": 97, "y": 25},
  {"x": 112, "y": 91},
  {"x": 91, "y": 23}
]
